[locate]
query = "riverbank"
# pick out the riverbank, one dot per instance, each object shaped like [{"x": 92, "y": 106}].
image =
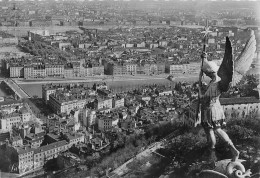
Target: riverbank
[
  {"x": 118, "y": 83},
  {"x": 35, "y": 88},
  {"x": 103, "y": 78}
]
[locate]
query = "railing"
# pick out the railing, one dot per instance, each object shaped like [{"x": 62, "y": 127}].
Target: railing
[
  {"x": 18, "y": 91},
  {"x": 28, "y": 96}
]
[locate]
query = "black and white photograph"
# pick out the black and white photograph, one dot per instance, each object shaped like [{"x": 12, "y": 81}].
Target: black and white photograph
[{"x": 129, "y": 89}]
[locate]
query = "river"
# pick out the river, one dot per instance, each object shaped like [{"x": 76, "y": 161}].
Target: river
[{"x": 36, "y": 89}]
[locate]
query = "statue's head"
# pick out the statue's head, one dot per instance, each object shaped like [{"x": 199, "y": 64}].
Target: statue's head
[
  {"x": 210, "y": 68},
  {"x": 204, "y": 55}
]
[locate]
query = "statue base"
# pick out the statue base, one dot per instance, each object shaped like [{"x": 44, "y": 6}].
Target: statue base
[{"x": 227, "y": 169}]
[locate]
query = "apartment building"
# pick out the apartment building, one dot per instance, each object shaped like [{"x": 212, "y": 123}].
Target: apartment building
[
  {"x": 240, "y": 107},
  {"x": 115, "y": 69},
  {"x": 100, "y": 103},
  {"x": 191, "y": 68},
  {"x": 7, "y": 122},
  {"x": 49, "y": 89},
  {"x": 11, "y": 119},
  {"x": 64, "y": 103},
  {"x": 25, "y": 159},
  {"x": 89, "y": 71},
  {"x": 107, "y": 122},
  {"x": 40, "y": 70},
  {"x": 130, "y": 68},
  {"x": 35, "y": 35},
  {"x": 54, "y": 70},
  {"x": 87, "y": 117},
  {"x": 47, "y": 152},
  {"x": 35, "y": 140},
  {"x": 178, "y": 68},
  {"x": 133, "y": 68},
  {"x": 97, "y": 70},
  {"x": 118, "y": 102},
  {"x": 233, "y": 108},
  {"x": 16, "y": 71},
  {"x": 150, "y": 68},
  {"x": 28, "y": 72}
]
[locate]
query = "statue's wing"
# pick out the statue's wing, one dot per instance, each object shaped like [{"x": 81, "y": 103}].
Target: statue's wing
[
  {"x": 245, "y": 59},
  {"x": 225, "y": 71}
]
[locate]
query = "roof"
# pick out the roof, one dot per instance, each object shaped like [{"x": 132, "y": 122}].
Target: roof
[
  {"x": 50, "y": 146},
  {"x": 241, "y": 100},
  {"x": 16, "y": 138},
  {"x": 22, "y": 150},
  {"x": 33, "y": 136},
  {"x": 10, "y": 102},
  {"x": 72, "y": 137},
  {"x": 24, "y": 110},
  {"x": 53, "y": 136},
  {"x": 231, "y": 101}
]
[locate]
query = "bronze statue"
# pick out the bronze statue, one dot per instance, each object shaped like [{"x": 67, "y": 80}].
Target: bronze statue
[{"x": 229, "y": 73}]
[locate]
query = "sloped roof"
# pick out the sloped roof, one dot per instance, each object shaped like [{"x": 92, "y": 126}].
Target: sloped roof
[
  {"x": 241, "y": 100},
  {"x": 50, "y": 146}
]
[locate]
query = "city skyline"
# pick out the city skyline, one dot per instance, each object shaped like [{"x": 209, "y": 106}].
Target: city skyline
[{"x": 120, "y": 88}]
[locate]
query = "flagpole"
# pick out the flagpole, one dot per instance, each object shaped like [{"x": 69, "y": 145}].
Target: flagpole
[{"x": 206, "y": 32}]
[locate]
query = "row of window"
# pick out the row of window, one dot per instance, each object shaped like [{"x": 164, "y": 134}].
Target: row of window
[
  {"x": 241, "y": 107},
  {"x": 26, "y": 158}
]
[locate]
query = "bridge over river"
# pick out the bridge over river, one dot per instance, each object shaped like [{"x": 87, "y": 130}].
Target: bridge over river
[{"x": 16, "y": 90}]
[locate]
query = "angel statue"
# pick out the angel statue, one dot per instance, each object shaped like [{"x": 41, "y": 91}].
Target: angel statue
[{"x": 229, "y": 73}]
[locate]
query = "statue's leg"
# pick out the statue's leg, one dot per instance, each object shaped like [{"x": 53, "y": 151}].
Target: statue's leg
[
  {"x": 212, "y": 138},
  {"x": 206, "y": 130},
  {"x": 223, "y": 135},
  {"x": 210, "y": 155}
]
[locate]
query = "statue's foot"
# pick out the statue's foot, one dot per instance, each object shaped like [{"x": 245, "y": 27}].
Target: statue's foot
[
  {"x": 235, "y": 155},
  {"x": 211, "y": 158}
]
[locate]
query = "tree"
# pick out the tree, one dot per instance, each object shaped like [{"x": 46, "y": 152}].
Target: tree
[
  {"x": 240, "y": 133},
  {"x": 256, "y": 142},
  {"x": 247, "y": 85}
]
